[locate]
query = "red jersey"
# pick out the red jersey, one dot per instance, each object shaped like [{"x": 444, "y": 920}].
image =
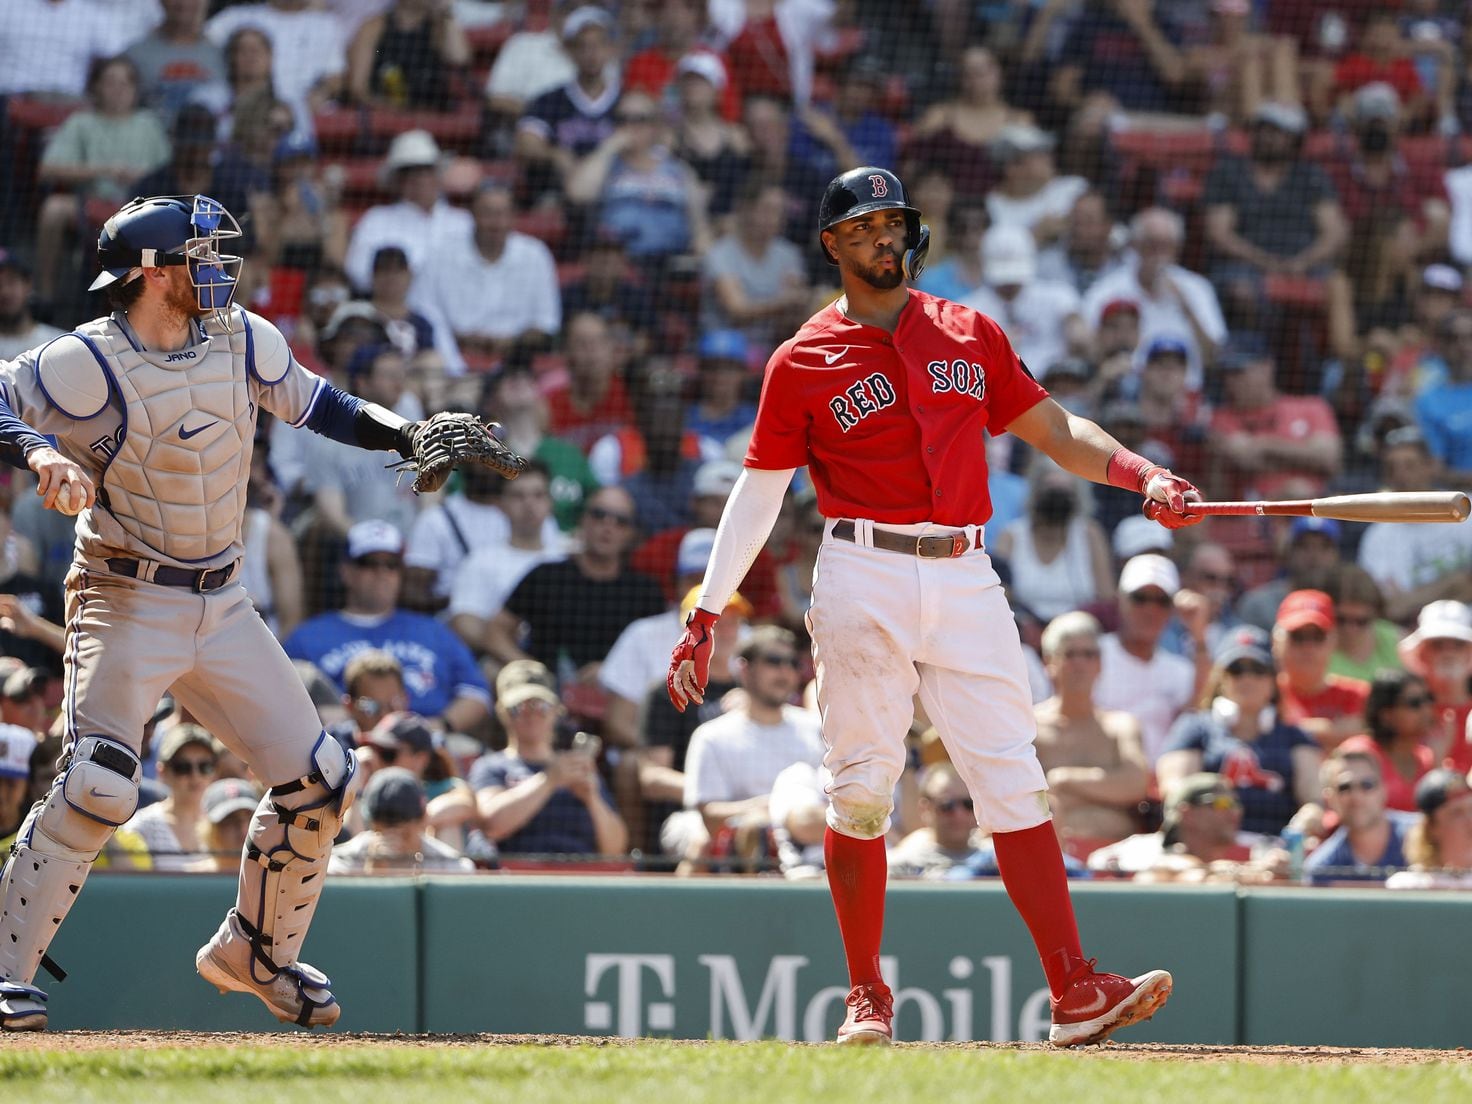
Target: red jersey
[
  {"x": 1341, "y": 697},
  {"x": 1294, "y": 418},
  {"x": 583, "y": 427},
  {"x": 890, "y": 426}
]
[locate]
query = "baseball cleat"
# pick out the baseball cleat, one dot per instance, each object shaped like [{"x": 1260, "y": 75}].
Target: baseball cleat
[
  {"x": 1095, "y": 1005},
  {"x": 870, "y": 1010},
  {"x": 297, "y": 993},
  {"x": 22, "y": 1007}
]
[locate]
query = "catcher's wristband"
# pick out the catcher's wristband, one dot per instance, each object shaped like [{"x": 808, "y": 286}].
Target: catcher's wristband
[{"x": 1129, "y": 470}]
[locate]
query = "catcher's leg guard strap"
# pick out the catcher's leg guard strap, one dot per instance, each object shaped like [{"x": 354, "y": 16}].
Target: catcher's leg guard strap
[
  {"x": 53, "y": 852},
  {"x": 286, "y": 857}
]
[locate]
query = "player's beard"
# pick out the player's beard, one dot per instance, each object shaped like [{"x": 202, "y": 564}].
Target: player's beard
[
  {"x": 183, "y": 298},
  {"x": 879, "y": 278}
]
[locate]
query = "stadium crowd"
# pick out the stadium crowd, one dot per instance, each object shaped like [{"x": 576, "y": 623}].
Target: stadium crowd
[{"x": 1237, "y": 233}]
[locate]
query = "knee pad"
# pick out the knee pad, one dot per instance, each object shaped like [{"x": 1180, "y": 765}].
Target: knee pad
[{"x": 94, "y": 793}]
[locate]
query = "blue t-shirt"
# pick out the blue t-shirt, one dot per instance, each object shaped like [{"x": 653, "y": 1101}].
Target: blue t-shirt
[
  {"x": 1444, "y": 412},
  {"x": 1334, "y": 860},
  {"x": 947, "y": 280},
  {"x": 720, "y": 429},
  {"x": 438, "y": 667},
  {"x": 563, "y": 826},
  {"x": 1261, "y": 772}
]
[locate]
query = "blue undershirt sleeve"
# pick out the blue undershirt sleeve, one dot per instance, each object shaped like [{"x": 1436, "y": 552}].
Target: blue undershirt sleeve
[{"x": 349, "y": 419}]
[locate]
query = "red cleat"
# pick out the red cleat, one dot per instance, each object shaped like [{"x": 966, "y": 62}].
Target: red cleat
[
  {"x": 870, "y": 1009},
  {"x": 1094, "y": 1005}
]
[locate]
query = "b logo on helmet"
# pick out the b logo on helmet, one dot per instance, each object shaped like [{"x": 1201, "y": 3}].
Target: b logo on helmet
[{"x": 879, "y": 185}]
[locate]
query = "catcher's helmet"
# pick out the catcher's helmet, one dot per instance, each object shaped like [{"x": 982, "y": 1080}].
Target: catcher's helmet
[
  {"x": 869, "y": 188},
  {"x": 172, "y": 230}
]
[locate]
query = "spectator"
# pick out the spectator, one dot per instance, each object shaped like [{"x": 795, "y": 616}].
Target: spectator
[
  {"x": 643, "y": 194},
  {"x": 405, "y": 328},
  {"x": 306, "y": 226},
  {"x": 574, "y": 610},
  {"x": 679, "y": 30},
  {"x": 48, "y": 47},
  {"x": 1059, "y": 555},
  {"x": 594, "y": 402},
  {"x": 706, "y": 136},
  {"x": 407, "y": 57},
  {"x": 1367, "y": 642},
  {"x": 1439, "y": 847},
  {"x": 531, "y": 63},
  {"x": 959, "y": 273},
  {"x": 532, "y": 799},
  {"x": 512, "y": 397},
  {"x": 249, "y": 61},
  {"x": 1174, "y": 302},
  {"x": 1271, "y": 213},
  {"x": 1175, "y": 418},
  {"x": 721, "y": 409},
  {"x": 795, "y": 573},
  {"x": 1444, "y": 409},
  {"x": 1369, "y": 842},
  {"x": 958, "y": 133},
  {"x": 229, "y": 805},
  {"x": 561, "y": 127},
  {"x": 1415, "y": 564},
  {"x": 948, "y": 833},
  {"x": 1097, "y": 772},
  {"x": 1310, "y": 557},
  {"x": 197, "y": 165},
  {"x": 175, "y": 61},
  {"x": 1418, "y": 360},
  {"x": 96, "y": 154},
  {"x": 1440, "y": 651},
  {"x": 1040, "y": 317},
  {"x": 422, "y": 223},
  {"x": 307, "y": 48},
  {"x": 1209, "y": 572},
  {"x": 1031, "y": 194},
  {"x": 1238, "y": 734},
  {"x": 16, "y": 746},
  {"x": 30, "y": 608},
  {"x": 486, "y": 576},
  {"x": 23, "y": 699},
  {"x": 656, "y": 459},
  {"x": 734, "y": 759},
  {"x": 372, "y": 688},
  {"x": 441, "y": 676},
  {"x": 496, "y": 291},
  {"x": 1381, "y": 57},
  {"x": 612, "y": 289},
  {"x": 396, "y": 841},
  {"x": 1137, "y": 675},
  {"x": 1264, "y": 442},
  {"x": 271, "y": 569},
  {"x": 1125, "y": 52},
  {"x": 1086, "y": 251},
  {"x": 1329, "y": 707},
  {"x": 1399, "y": 720},
  {"x": 19, "y": 331},
  {"x": 827, "y": 143},
  {"x": 173, "y": 829},
  {"x": 753, "y": 280}
]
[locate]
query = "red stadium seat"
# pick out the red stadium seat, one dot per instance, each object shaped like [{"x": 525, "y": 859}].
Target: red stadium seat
[
  {"x": 25, "y": 113},
  {"x": 547, "y": 223},
  {"x": 455, "y": 130},
  {"x": 338, "y": 131},
  {"x": 486, "y": 42},
  {"x": 566, "y": 866}
]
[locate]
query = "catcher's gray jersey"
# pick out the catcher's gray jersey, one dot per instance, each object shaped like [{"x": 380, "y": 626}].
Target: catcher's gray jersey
[{"x": 167, "y": 437}]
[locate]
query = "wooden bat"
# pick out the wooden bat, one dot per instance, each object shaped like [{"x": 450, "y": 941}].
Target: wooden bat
[{"x": 1380, "y": 506}]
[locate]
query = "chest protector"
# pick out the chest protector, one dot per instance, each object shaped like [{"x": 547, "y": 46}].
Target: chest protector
[{"x": 176, "y": 482}]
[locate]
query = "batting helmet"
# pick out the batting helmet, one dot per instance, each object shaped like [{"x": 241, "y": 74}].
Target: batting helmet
[
  {"x": 162, "y": 231},
  {"x": 869, "y": 188}
]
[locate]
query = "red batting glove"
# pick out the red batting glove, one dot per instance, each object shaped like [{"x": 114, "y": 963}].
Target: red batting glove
[
  {"x": 690, "y": 661},
  {"x": 1167, "y": 496}
]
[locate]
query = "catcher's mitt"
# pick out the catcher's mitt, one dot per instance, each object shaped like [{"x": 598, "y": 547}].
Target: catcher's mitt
[{"x": 450, "y": 440}]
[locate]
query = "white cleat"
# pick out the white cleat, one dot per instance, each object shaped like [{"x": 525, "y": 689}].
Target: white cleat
[
  {"x": 298, "y": 993},
  {"x": 22, "y": 1007}
]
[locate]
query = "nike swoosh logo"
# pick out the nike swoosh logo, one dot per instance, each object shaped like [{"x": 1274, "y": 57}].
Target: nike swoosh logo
[
  {"x": 832, "y": 358},
  {"x": 1096, "y": 1005},
  {"x": 185, "y": 434},
  {"x": 95, "y": 792}
]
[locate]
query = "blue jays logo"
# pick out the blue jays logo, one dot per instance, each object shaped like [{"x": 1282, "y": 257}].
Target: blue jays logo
[
  {"x": 961, "y": 376},
  {"x": 861, "y": 398}
]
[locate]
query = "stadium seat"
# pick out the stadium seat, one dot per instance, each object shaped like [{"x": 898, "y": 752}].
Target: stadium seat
[
  {"x": 486, "y": 42},
  {"x": 457, "y": 129},
  {"x": 338, "y": 132}
]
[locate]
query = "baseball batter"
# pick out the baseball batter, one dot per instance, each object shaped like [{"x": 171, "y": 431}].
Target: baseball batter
[
  {"x": 886, "y": 395},
  {"x": 153, "y": 410}
]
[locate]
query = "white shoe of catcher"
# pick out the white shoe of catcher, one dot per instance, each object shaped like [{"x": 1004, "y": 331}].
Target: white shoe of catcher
[
  {"x": 22, "y": 1007},
  {"x": 296, "y": 993}
]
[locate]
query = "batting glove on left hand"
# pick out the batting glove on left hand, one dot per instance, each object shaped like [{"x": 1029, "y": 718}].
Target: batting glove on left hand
[
  {"x": 1166, "y": 496},
  {"x": 690, "y": 661}
]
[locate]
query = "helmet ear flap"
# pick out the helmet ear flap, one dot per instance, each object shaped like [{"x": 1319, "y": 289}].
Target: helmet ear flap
[{"x": 913, "y": 262}]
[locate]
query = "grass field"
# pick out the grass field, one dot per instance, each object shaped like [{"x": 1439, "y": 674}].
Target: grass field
[{"x": 103, "y": 1068}]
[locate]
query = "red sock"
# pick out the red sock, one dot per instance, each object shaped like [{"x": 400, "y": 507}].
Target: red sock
[
  {"x": 1031, "y": 863},
  {"x": 857, "y": 873}
]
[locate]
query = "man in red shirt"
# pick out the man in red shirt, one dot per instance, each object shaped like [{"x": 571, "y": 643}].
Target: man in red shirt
[
  {"x": 885, "y": 395},
  {"x": 1380, "y": 59},
  {"x": 594, "y": 401},
  {"x": 1330, "y": 708}
]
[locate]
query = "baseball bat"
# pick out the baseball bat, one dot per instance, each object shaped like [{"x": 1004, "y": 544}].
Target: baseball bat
[{"x": 1381, "y": 506}]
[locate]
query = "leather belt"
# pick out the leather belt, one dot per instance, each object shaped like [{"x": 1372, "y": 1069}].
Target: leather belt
[
  {"x": 927, "y": 547},
  {"x": 167, "y": 575}
]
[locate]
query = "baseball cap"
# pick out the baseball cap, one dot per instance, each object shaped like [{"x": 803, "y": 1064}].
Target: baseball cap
[
  {"x": 390, "y": 256},
  {"x": 25, "y": 684},
  {"x": 1167, "y": 346},
  {"x": 1241, "y": 351},
  {"x": 1285, "y": 117},
  {"x": 11, "y": 261},
  {"x": 737, "y": 604},
  {"x": 1442, "y": 277},
  {"x": 1376, "y": 100},
  {"x": 1137, "y": 534},
  {"x": 1304, "y": 608},
  {"x": 1437, "y": 787},
  {"x": 524, "y": 679},
  {"x": 583, "y": 18},
  {"x": 1244, "y": 642},
  {"x": 194, "y": 126},
  {"x": 374, "y": 535},
  {"x": 1115, "y": 306},
  {"x": 1069, "y": 367},
  {"x": 716, "y": 477},
  {"x": 1009, "y": 255},
  {"x": 402, "y": 730},
  {"x": 355, "y": 310},
  {"x": 226, "y": 796},
  {"x": 1017, "y": 140},
  {"x": 16, "y": 745},
  {"x": 1190, "y": 790},
  {"x": 723, "y": 345},
  {"x": 1327, "y": 526},
  {"x": 177, "y": 737},
  {"x": 318, "y": 686},
  {"x": 393, "y": 796},
  {"x": 1446, "y": 619},
  {"x": 704, "y": 65},
  {"x": 1149, "y": 570},
  {"x": 294, "y": 146},
  {"x": 694, "y": 553}
]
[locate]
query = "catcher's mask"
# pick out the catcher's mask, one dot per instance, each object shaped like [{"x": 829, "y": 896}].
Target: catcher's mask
[{"x": 164, "y": 231}]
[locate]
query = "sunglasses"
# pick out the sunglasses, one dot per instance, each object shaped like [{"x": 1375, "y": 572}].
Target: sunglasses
[
  {"x": 1239, "y": 670},
  {"x": 1221, "y": 802},
  {"x": 958, "y": 803},
  {"x": 530, "y": 707},
  {"x": 1140, "y": 598},
  {"x": 367, "y": 563},
  {"x": 1364, "y": 785},
  {"x": 1081, "y": 653},
  {"x": 598, "y": 513},
  {"x": 779, "y": 661},
  {"x": 1308, "y": 636},
  {"x": 1419, "y": 701},
  {"x": 1214, "y": 578},
  {"x": 185, "y": 767}
]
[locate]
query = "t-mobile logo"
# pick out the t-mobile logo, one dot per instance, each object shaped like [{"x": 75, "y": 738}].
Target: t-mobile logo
[{"x": 633, "y": 1016}]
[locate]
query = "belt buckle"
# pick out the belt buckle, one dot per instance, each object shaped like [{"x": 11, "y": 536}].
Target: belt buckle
[
  {"x": 199, "y": 580},
  {"x": 959, "y": 545}
]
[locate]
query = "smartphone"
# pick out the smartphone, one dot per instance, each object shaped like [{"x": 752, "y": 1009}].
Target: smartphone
[{"x": 585, "y": 743}]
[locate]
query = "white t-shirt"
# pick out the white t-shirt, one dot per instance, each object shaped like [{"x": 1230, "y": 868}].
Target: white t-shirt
[
  {"x": 1163, "y": 316},
  {"x": 640, "y": 655},
  {"x": 12, "y": 345},
  {"x": 407, "y": 226},
  {"x": 1428, "y": 879},
  {"x": 1402, "y": 555},
  {"x": 1054, "y": 199},
  {"x": 47, "y": 47},
  {"x": 306, "y": 46},
  {"x": 502, "y": 298},
  {"x": 731, "y": 758},
  {"x": 1459, "y": 233},
  {"x": 529, "y": 64},
  {"x": 487, "y": 577},
  {"x": 435, "y": 543},
  {"x": 1154, "y": 693},
  {"x": 1033, "y": 321}
]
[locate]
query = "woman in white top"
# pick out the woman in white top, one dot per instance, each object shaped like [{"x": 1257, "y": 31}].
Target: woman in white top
[
  {"x": 174, "y": 829},
  {"x": 1058, "y": 554},
  {"x": 1440, "y": 846}
]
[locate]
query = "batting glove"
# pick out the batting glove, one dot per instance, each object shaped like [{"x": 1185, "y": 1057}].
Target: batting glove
[
  {"x": 690, "y": 661},
  {"x": 1166, "y": 499}
]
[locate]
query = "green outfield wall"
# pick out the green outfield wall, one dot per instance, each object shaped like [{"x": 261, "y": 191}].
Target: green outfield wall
[{"x": 747, "y": 958}]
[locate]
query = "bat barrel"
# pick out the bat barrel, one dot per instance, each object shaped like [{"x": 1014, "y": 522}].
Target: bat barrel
[{"x": 1403, "y": 506}]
